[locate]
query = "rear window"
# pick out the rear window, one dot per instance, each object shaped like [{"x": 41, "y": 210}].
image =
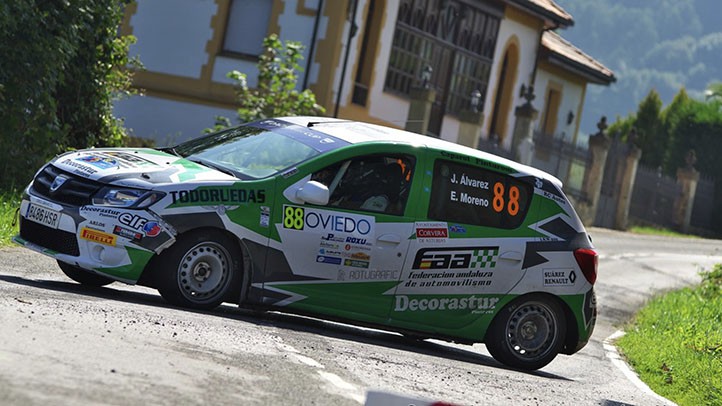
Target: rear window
[{"x": 471, "y": 195}]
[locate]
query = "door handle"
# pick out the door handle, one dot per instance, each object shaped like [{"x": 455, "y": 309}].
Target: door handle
[
  {"x": 511, "y": 256},
  {"x": 390, "y": 238}
]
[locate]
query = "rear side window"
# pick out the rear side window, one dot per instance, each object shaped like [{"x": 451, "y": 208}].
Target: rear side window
[{"x": 471, "y": 195}]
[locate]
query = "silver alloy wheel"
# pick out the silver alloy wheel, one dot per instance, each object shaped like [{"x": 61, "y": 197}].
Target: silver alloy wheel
[
  {"x": 204, "y": 271},
  {"x": 532, "y": 330}
]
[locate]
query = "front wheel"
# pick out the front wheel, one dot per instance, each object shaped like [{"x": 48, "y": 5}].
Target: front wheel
[
  {"x": 198, "y": 270},
  {"x": 82, "y": 276},
  {"x": 528, "y": 333}
]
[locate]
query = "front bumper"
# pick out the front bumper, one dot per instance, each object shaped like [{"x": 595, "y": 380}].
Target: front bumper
[{"x": 115, "y": 242}]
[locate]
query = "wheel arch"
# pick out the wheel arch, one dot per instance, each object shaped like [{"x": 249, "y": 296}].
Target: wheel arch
[
  {"x": 572, "y": 328},
  {"x": 236, "y": 294}
]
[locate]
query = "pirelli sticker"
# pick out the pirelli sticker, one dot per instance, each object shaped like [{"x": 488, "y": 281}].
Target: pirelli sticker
[{"x": 97, "y": 236}]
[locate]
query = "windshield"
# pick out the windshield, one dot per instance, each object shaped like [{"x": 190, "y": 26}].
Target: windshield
[{"x": 248, "y": 152}]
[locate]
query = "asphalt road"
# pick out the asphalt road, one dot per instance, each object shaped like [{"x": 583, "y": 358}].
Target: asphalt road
[{"x": 62, "y": 343}]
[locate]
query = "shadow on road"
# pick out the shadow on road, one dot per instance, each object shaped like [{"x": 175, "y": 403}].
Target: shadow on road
[{"x": 282, "y": 320}]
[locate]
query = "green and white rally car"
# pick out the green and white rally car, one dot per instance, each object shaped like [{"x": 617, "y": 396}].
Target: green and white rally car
[{"x": 337, "y": 219}]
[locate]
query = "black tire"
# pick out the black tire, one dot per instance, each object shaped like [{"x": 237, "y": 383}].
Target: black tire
[
  {"x": 198, "y": 270},
  {"x": 528, "y": 333},
  {"x": 84, "y": 277}
]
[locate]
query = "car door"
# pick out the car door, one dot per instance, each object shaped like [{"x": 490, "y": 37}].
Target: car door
[
  {"x": 345, "y": 257},
  {"x": 467, "y": 250}
]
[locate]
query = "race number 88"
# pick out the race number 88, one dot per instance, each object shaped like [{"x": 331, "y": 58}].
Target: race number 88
[
  {"x": 512, "y": 205},
  {"x": 293, "y": 218}
]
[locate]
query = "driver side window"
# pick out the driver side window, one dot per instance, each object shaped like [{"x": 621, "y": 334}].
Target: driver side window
[{"x": 373, "y": 183}]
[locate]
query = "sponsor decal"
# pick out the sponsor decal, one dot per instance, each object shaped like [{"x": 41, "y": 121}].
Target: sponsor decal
[
  {"x": 328, "y": 260},
  {"x": 302, "y": 218},
  {"x": 371, "y": 274},
  {"x": 459, "y": 267},
  {"x": 290, "y": 172},
  {"x": 361, "y": 255},
  {"x": 324, "y": 251},
  {"x": 132, "y": 220},
  {"x": 130, "y": 158},
  {"x": 326, "y": 244},
  {"x": 356, "y": 263},
  {"x": 217, "y": 196},
  {"x": 98, "y": 224},
  {"x": 151, "y": 229},
  {"x": 456, "y": 258},
  {"x": 432, "y": 232},
  {"x": 477, "y": 304},
  {"x": 127, "y": 233},
  {"x": 79, "y": 168},
  {"x": 559, "y": 277},
  {"x": 99, "y": 211},
  {"x": 265, "y": 220},
  {"x": 354, "y": 240},
  {"x": 99, "y": 161},
  {"x": 97, "y": 236},
  {"x": 455, "y": 228},
  {"x": 332, "y": 237}
]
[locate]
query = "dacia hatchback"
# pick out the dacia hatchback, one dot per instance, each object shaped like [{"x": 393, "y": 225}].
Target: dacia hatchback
[{"x": 331, "y": 218}]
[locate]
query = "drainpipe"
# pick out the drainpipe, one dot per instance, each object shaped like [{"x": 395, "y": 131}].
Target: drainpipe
[
  {"x": 538, "y": 51},
  {"x": 351, "y": 34},
  {"x": 313, "y": 45}
]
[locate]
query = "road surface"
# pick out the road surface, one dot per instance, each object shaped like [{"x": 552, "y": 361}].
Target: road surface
[{"x": 62, "y": 343}]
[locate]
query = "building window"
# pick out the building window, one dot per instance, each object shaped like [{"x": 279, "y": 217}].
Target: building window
[
  {"x": 551, "y": 110},
  {"x": 246, "y": 28},
  {"x": 456, "y": 38},
  {"x": 369, "y": 45}
]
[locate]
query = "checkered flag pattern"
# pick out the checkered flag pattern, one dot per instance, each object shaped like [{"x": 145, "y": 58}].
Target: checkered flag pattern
[{"x": 485, "y": 258}]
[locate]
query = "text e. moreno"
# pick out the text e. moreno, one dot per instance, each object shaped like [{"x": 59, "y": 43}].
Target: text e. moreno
[{"x": 403, "y": 303}]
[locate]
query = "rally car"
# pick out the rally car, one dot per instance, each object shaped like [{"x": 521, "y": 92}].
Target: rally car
[{"x": 338, "y": 219}]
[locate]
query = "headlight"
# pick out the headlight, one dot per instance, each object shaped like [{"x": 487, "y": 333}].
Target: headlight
[{"x": 122, "y": 197}]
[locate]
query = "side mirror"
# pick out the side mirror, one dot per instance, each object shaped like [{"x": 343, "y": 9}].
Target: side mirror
[{"x": 313, "y": 192}]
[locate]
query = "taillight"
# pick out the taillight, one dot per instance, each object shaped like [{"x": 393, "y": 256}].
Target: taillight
[{"x": 588, "y": 261}]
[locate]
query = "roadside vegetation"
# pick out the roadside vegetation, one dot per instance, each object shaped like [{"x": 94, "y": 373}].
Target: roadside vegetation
[
  {"x": 675, "y": 343},
  {"x": 648, "y": 230},
  {"x": 9, "y": 203}
]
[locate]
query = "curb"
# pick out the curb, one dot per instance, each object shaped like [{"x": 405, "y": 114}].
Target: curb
[{"x": 610, "y": 351}]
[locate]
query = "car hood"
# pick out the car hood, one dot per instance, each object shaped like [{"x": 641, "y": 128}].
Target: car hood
[{"x": 141, "y": 167}]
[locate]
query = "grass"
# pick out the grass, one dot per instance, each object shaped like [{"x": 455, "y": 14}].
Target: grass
[
  {"x": 647, "y": 230},
  {"x": 9, "y": 203},
  {"x": 675, "y": 343}
]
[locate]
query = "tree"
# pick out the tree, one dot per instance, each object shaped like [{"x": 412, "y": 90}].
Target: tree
[
  {"x": 62, "y": 64},
  {"x": 650, "y": 135},
  {"x": 276, "y": 94},
  {"x": 714, "y": 91}
]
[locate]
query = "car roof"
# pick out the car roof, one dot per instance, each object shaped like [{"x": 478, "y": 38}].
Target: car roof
[{"x": 357, "y": 132}]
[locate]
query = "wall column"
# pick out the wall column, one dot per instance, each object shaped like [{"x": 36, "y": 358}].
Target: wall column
[
  {"x": 687, "y": 178},
  {"x": 599, "y": 145},
  {"x": 419, "y": 114},
  {"x": 470, "y": 127},
  {"x": 522, "y": 143},
  {"x": 628, "y": 173}
]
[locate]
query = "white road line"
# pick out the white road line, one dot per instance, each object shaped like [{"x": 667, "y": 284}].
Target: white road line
[
  {"x": 347, "y": 389},
  {"x": 611, "y": 352}
]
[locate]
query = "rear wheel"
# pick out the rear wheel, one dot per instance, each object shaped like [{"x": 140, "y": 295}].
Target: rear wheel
[
  {"x": 198, "y": 270},
  {"x": 83, "y": 276},
  {"x": 528, "y": 333}
]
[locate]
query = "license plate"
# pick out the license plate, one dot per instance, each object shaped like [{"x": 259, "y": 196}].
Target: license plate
[{"x": 43, "y": 215}]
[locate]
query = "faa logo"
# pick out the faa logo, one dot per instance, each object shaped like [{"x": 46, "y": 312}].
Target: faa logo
[{"x": 151, "y": 229}]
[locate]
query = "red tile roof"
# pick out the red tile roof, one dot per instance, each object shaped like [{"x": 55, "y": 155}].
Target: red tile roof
[
  {"x": 559, "y": 51},
  {"x": 547, "y": 9}
]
